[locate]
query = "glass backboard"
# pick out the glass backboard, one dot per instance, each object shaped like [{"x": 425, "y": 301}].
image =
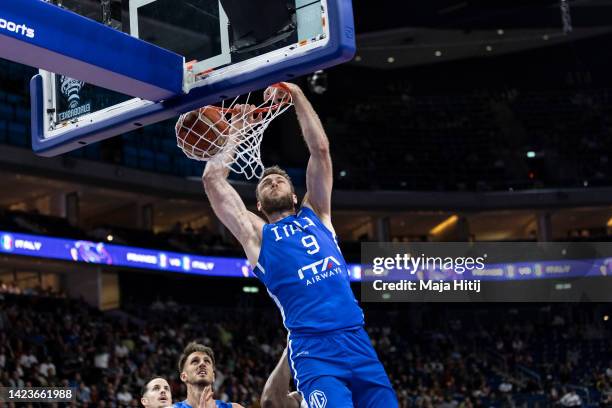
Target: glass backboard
[{"x": 229, "y": 46}]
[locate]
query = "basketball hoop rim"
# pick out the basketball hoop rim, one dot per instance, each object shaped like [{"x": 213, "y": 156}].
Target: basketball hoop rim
[{"x": 266, "y": 109}]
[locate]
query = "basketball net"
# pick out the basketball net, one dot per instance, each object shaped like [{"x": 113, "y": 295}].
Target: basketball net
[{"x": 234, "y": 139}]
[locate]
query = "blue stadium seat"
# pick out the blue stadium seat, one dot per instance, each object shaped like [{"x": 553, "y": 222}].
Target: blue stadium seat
[
  {"x": 3, "y": 130},
  {"x": 146, "y": 159},
  {"x": 168, "y": 145},
  {"x": 6, "y": 111},
  {"x": 14, "y": 99},
  {"x": 130, "y": 156},
  {"x": 76, "y": 153},
  {"x": 92, "y": 152},
  {"x": 22, "y": 114},
  {"x": 196, "y": 168},
  {"x": 162, "y": 163},
  {"x": 17, "y": 134},
  {"x": 182, "y": 167}
]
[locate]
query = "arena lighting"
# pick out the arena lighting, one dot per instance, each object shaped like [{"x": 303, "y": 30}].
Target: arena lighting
[
  {"x": 438, "y": 53},
  {"x": 357, "y": 58},
  {"x": 500, "y": 32},
  {"x": 447, "y": 223},
  {"x": 250, "y": 289},
  {"x": 391, "y": 60},
  {"x": 317, "y": 82},
  {"x": 489, "y": 48},
  {"x": 109, "y": 237},
  {"x": 531, "y": 154},
  {"x": 606, "y": 318}
]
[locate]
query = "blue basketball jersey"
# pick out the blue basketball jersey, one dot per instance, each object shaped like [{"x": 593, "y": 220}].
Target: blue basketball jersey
[
  {"x": 185, "y": 404},
  {"x": 306, "y": 275}
]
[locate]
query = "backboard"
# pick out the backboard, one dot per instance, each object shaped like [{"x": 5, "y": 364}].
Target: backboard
[{"x": 229, "y": 47}]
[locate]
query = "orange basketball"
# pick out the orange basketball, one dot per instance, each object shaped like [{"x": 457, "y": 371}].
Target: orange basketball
[{"x": 202, "y": 133}]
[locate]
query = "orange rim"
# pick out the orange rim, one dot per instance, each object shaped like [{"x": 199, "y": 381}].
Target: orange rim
[{"x": 280, "y": 85}]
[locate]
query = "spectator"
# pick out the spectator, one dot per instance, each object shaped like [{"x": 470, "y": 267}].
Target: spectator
[
  {"x": 47, "y": 368},
  {"x": 27, "y": 359},
  {"x": 124, "y": 397}
]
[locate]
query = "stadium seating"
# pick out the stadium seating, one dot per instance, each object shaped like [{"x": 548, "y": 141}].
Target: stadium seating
[
  {"x": 451, "y": 358},
  {"x": 395, "y": 137}
]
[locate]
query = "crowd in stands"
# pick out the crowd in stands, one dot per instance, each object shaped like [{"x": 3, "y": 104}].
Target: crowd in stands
[
  {"x": 485, "y": 357},
  {"x": 12, "y": 288}
]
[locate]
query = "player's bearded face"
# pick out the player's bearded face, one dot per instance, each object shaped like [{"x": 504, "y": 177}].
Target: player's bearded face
[
  {"x": 199, "y": 369},
  {"x": 276, "y": 195}
]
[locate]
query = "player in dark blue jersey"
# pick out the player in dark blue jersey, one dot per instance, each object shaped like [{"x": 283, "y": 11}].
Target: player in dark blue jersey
[
  {"x": 197, "y": 370},
  {"x": 296, "y": 256}
]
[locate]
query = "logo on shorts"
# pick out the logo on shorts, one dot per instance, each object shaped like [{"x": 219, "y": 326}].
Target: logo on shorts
[{"x": 317, "y": 399}]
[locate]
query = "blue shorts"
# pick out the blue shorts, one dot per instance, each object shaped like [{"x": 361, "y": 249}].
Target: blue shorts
[{"x": 339, "y": 370}]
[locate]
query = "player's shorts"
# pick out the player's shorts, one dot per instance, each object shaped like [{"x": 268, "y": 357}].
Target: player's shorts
[{"x": 339, "y": 370}]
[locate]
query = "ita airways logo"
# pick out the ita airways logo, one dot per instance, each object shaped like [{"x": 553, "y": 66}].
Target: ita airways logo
[
  {"x": 320, "y": 270},
  {"x": 321, "y": 265},
  {"x": 317, "y": 399},
  {"x": 7, "y": 242},
  {"x": 71, "y": 89}
]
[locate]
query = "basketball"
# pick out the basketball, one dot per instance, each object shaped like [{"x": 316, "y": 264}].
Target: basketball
[{"x": 202, "y": 133}]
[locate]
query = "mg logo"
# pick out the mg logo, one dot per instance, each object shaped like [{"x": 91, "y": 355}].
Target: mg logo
[
  {"x": 317, "y": 399},
  {"x": 321, "y": 265}
]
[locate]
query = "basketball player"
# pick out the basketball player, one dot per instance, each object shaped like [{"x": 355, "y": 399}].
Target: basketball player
[
  {"x": 197, "y": 370},
  {"x": 276, "y": 391},
  {"x": 296, "y": 256},
  {"x": 156, "y": 393}
]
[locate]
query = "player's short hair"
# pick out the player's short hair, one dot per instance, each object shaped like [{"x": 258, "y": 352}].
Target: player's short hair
[
  {"x": 273, "y": 170},
  {"x": 145, "y": 386},
  {"x": 192, "y": 348}
]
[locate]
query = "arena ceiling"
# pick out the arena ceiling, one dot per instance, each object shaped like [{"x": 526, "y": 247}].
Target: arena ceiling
[
  {"x": 417, "y": 33},
  {"x": 476, "y": 14}
]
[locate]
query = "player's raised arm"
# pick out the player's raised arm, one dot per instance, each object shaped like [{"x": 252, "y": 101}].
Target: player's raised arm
[
  {"x": 230, "y": 209},
  {"x": 319, "y": 173},
  {"x": 276, "y": 391}
]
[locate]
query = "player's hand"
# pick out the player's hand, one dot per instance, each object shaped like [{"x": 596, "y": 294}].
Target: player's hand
[
  {"x": 244, "y": 115},
  {"x": 206, "y": 399},
  {"x": 282, "y": 93}
]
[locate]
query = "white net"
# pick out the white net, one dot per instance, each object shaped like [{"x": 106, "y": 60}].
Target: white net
[{"x": 232, "y": 133}]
